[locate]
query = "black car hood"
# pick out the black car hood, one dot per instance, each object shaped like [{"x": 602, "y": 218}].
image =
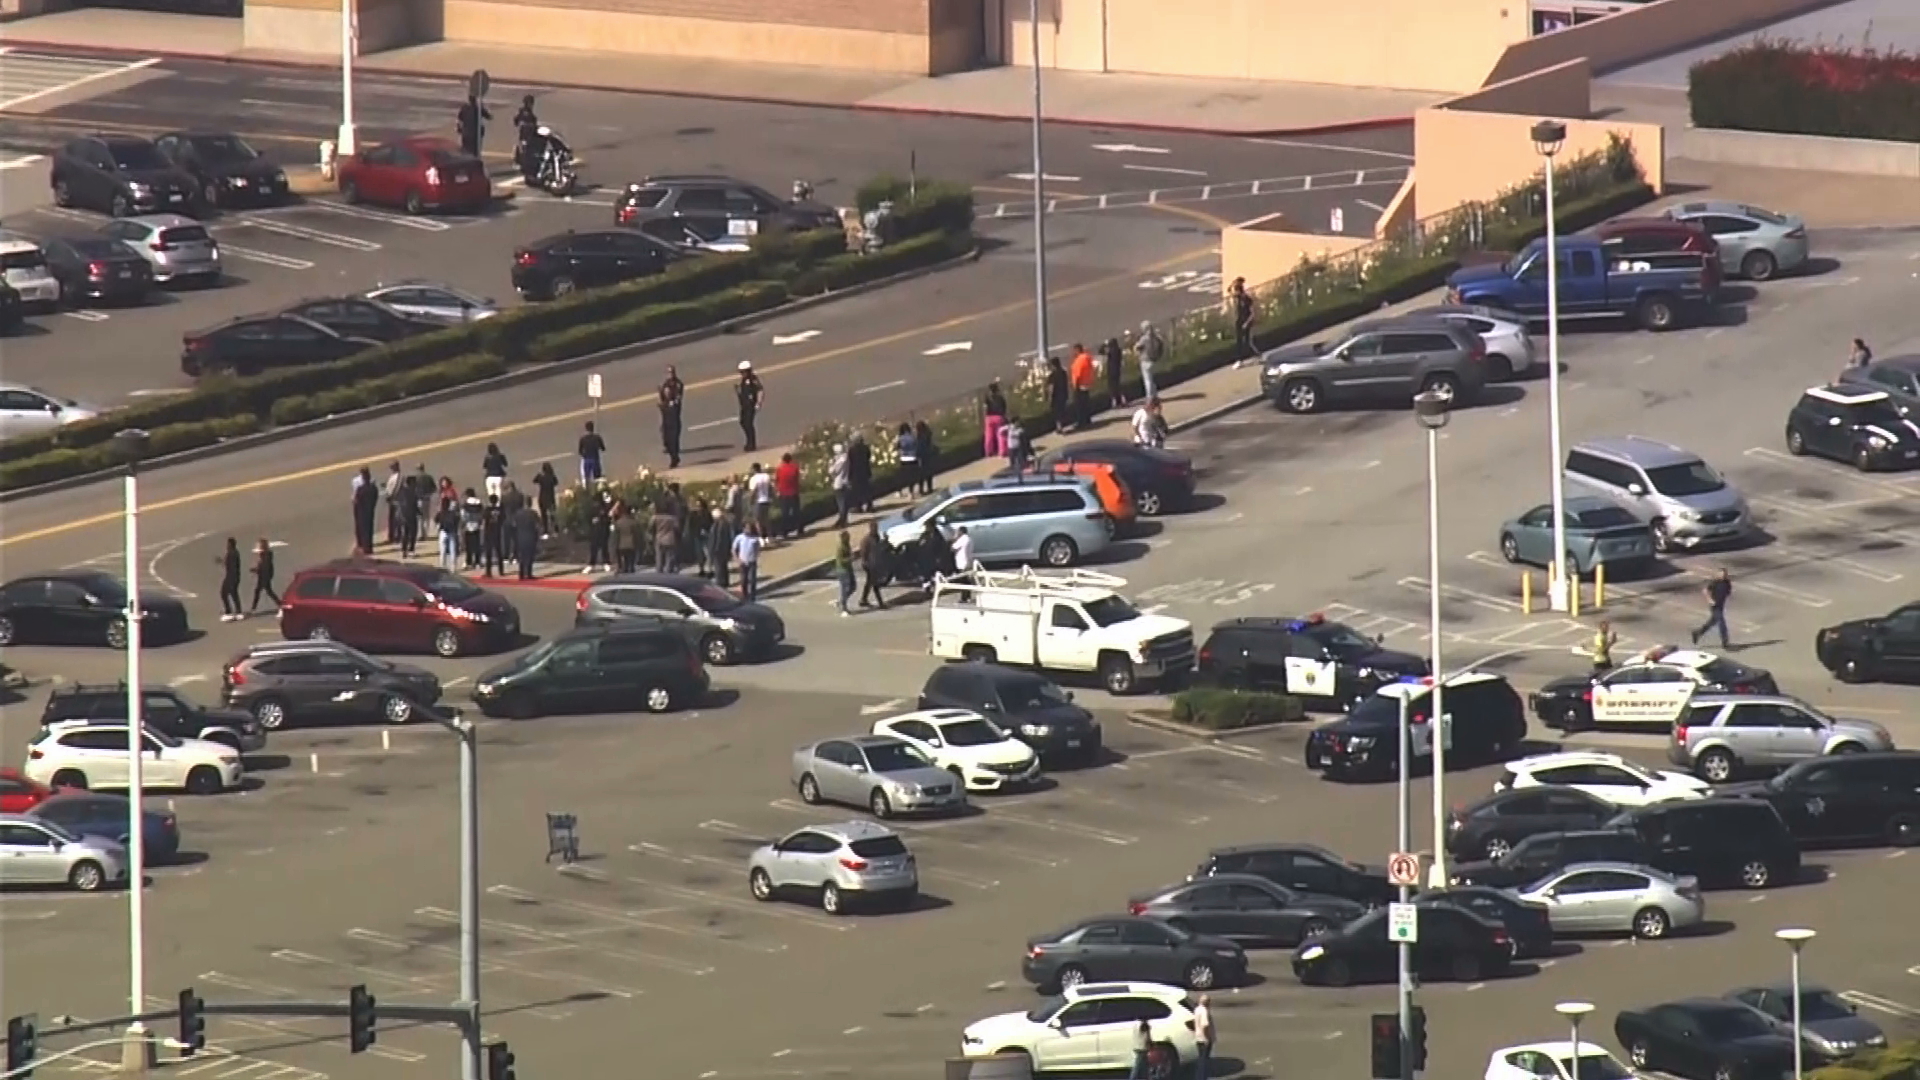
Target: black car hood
[
  {"x": 1566, "y": 684},
  {"x": 754, "y": 615},
  {"x": 1064, "y": 715},
  {"x": 160, "y": 178},
  {"x": 252, "y": 168},
  {"x": 492, "y": 605},
  {"x": 1392, "y": 661}
]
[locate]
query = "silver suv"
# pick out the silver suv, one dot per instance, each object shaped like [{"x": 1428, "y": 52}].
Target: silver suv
[
  {"x": 842, "y": 864},
  {"x": 1721, "y": 735},
  {"x": 1680, "y": 496},
  {"x": 1379, "y": 360}
]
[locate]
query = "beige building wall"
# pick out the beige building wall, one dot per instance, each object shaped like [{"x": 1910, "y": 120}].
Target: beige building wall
[
  {"x": 313, "y": 26},
  {"x": 1642, "y": 33},
  {"x": 1263, "y": 249}
]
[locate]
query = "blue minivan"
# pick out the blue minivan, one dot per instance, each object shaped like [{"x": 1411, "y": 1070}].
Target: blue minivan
[{"x": 1051, "y": 520}]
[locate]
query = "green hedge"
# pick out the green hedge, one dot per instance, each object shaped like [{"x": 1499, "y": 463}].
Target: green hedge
[
  {"x": 1230, "y": 710},
  {"x": 168, "y": 439},
  {"x": 1818, "y": 90},
  {"x": 1901, "y": 1061}
]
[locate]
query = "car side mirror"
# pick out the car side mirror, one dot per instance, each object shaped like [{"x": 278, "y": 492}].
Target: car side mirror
[
  {"x": 55, "y": 407},
  {"x": 1636, "y": 489},
  {"x": 1057, "y": 1024},
  {"x": 858, "y": 768},
  {"x": 1069, "y": 695},
  {"x": 935, "y": 741}
]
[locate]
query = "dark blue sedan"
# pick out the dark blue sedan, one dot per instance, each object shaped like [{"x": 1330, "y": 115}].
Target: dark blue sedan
[{"x": 92, "y": 814}]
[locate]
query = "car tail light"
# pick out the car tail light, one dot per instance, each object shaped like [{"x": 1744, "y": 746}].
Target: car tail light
[
  {"x": 157, "y": 244},
  {"x": 524, "y": 258},
  {"x": 854, "y": 864},
  {"x": 1500, "y": 938},
  {"x": 96, "y": 269},
  {"x": 236, "y": 676},
  {"x": 433, "y": 176},
  {"x": 1679, "y": 733},
  {"x": 1745, "y": 688},
  {"x": 1798, "y": 234},
  {"x": 625, "y": 215},
  {"x": 195, "y": 344},
  {"x": 1136, "y": 908},
  {"x": 1206, "y": 657},
  {"x": 1417, "y": 718},
  {"x": 1034, "y": 951},
  {"x": 580, "y": 602},
  {"x": 1588, "y": 696}
]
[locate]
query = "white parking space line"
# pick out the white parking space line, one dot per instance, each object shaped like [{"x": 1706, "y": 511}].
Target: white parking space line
[
  {"x": 302, "y": 232},
  {"x": 386, "y": 982},
  {"x": 1881, "y": 1004},
  {"x": 703, "y": 896},
  {"x": 28, "y": 77},
  {"x": 493, "y": 966},
  {"x": 616, "y": 919},
  {"x": 559, "y": 942},
  {"x": 1460, "y": 594},
  {"x": 424, "y": 224},
  {"x": 1068, "y": 828},
  {"x": 86, "y": 315},
  {"x": 266, "y": 258},
  {"x": 1193, "y": 281},
  {"x": 25, "y": 161},
  {"x": 935, "y": 832},
  {"x": 1370, "y": 622}
]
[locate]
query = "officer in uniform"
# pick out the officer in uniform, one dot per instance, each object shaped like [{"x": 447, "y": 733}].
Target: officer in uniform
[
  {"x": 472, "y": 115},
  {"x": 752, "y": 395},
  {"x": 1604, "y": 639},
  {"x": 673, "y": 394}
]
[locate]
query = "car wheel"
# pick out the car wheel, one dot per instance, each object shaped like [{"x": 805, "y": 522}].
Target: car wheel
[
  {"x": 1300, "y": 396},
  {"x": 1725, "y": 1072},
  {"x": 659, "y": 699},
  {"x": 1149, "y": 504},
  {"x": 1058, "y": 552},
  {"x": 1851, "y": 671},
  {"x": 1201, "y": 975},
  {"x": 760, "y": 885},
  {"x": 86, "y": 876},
  {"x": 878, "y": 803},
  {"x": 1117, "y": 675},
  {"x": 1071, "y": 976},
  {"x": 1655, "y": 313},
  {"x": 1863, "y": 459},
  {"x": 396, "y": 709},
  {"x": 6, "y": 631},
  {"x": 1651, "y": 923},
  {"x": 1755, "y": 874},
  {"x": 1715, "y": 766},
  {"x": 1848, "y": 748},
  {"x": 446, "y": 642},
  {"x": 1903, "y": 830},
  {"x": 559, "y": 287},
  {"x": 830, "y": 899},
  {"x": 1509, "y": 548},
  {"x": 414, "y": 204},
  {"x": 1759, "y": 266},
  {"x": 1796, "y": 443},
  {"x": 1499, "y": 848},
  {"x": 809, "y": 790},
  {"x": 717, "y": 649},
  {"x": 69, "y": 778},
  {"x": 203, "y": 780},
  {"x": 349, "y": 192},
  {"x": 1446, "y": 386},
  {"x": 1336, "y": 973},
  {"x": 120, "y": 207},
  {"x": 271, "y": 712},
  {"x": 1571, "y": 720},
  {"x": 979, "y": 654},
  {"x": 62, "y": 194},
  {"x": 320, "y": 632},
  {"x": 1639, "y": 1054},
  {"x": 116, "y": 634}
]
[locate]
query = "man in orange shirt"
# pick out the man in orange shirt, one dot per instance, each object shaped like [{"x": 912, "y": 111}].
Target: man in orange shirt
[{"x": 1080, "y": 375}]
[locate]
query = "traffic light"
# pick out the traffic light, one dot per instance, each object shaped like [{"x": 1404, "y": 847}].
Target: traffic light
[
  {"x": 193, "y": 1023},
  {"x": 1386, "y": 1046},
  {"x": 361, "y": 1017},
  {"x": 1418, "y": 1037},
  {"x": 23, "y": 1040},
  {"x": 499, "y": 1062}
]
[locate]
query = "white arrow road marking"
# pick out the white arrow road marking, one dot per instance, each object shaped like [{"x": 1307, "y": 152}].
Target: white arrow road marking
[
  {"x": 1129, "y": 148},
  {"x": 1048, "y": 177},
  {"x": 951, "y": 346},
  {"x": 186, "y": 680},
  {"x": 1164, "y": 169},
  {"x": 795, "y": 339},
  {"x": 886, "y": 706},
  {"x": 86, "y": 315},
  {"x": 879, "y": 387}
]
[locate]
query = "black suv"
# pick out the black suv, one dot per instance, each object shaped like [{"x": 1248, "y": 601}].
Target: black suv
[
  {"x": 1304, "y": 868},
  {"x": 163, "y": 709},
  {"x": 725, "y": 629},
  {"x": 1721, "y": 842},
  {"x": 289, "y": 683},
  {"x": 1537, "y": 856},
  {"x": 1037, "y": 711},
  {"x": 1854, "y": 424},
  {"x": 1484, "y": 721},
  {"x": 614, "y": 667},
  {"x": 1325, "y": 664},
  {"x": 557, "y": 265},
  {"x": 122, "y": 175},
  {"x": 1871, "y": 798},
  {"x": 1490, "y": 828},
  {"x": 719, "y": 208},
  {"x": 1886, "y": 647}
]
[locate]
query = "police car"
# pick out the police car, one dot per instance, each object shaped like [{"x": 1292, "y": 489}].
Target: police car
[
  {"x": 1326, "y": 664},
  {"x": 1483, "y": 720},
  {"x": 1645, "y": 693}
]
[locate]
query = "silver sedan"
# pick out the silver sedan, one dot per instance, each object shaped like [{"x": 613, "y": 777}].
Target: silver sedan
[
  {"x": 434, "y": 302},
  {"x": 1616, "y": 898},
  {"x": 1754, "y": 243},
  {"x": 884, "y": 774},
  {"x": 1504, "y": 333},
  {"x": 36, "y": 852}
]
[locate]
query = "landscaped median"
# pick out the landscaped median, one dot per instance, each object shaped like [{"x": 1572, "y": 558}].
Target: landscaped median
[
  {"x": 1315, "y": 296},
  {"x": 1901, "y": 1061},
  {"x": 932, "y": 223},
  {"x": 1213, "y": 713}
]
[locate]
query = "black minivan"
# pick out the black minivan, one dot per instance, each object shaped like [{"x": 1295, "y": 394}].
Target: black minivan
[
  {"x": 621, "y": 667},
  {"x": 1484, "y": 721},
  {"x": 1722, "y": 842}
]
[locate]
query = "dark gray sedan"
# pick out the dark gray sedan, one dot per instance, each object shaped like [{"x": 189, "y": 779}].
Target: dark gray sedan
[
  {"x": 1247, "y": 909},
  {"x": 1828, "y": 1022}
]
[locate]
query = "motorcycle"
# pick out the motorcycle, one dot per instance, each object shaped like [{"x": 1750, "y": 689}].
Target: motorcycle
[{"x": 558, "y": 175}]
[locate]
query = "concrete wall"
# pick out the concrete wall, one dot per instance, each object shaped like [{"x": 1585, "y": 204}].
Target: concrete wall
[
  {"x": 313, "y": 26},
  {"x": 1264, "y": 249},
  {"x": 1766, "y": 149},
  {"x": 1656, "y": 29}
]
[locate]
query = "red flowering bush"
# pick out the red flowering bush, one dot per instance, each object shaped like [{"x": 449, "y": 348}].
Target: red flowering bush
[{"x": 1809, "y": 90}]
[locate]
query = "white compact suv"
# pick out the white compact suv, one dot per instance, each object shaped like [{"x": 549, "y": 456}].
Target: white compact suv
[
  {"x": 985, "y": 756},
  {"x": 90, "y": 755},
  {"x": 1089, "y": 1028}
]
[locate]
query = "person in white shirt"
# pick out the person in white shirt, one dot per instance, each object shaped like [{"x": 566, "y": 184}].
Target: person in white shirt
[
  {"x": 760, "y": 490},
  {"x": 962, "y": 551},
  {"x": 746, "y": 551},
  {"x": 1149, "y": 428},
  {"x": 1203, "y": 1035}
]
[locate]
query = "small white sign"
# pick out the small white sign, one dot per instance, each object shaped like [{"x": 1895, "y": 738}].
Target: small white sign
[
  {"x": 1403, "y": 923},
  {"x": 1339, "y": 222},
  {"x": 595, "y": 388}
]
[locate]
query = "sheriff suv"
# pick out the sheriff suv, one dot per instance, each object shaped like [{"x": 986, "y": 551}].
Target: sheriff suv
[
  {"x": 1885, "y": 647},
  {"x": 719, "y": 209},
  {"x": 161, "y": 708},
  {"x": 1326, "y": 664}
]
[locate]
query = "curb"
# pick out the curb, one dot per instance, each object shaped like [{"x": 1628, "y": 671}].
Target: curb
[
  {"x": 1147, "y": 720},
  {"x": 529, "y": 373},
  {"x": 1374, "y": 124}
]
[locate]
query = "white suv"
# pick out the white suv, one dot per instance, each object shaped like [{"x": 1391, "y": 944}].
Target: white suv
[
  {"x": 1608, "y": 777},
  {"x": 85, "y": 754},
  {"x": 1089, "y": 1028},
  {"x": 981, "y": 753},
  {"x": 24, "y": 266}
]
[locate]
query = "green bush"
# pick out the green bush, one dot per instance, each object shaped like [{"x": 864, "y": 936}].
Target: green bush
[
  {"x": 919, "y": 206},
  {"x": 1900, "y": 1061},
  {"x": 1797, "y": 89},
  {"x": 848, "y": 270},
  {"x": 471, "y": 368},
  {"x": 656, "y": 321},
  {"x": 60, "y": 463},
  {"x": 1230, "y": 710}
]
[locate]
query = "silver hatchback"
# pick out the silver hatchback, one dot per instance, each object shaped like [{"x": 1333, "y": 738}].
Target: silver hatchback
[
  {"x": 178, "y": 248},
  {"x": 1616, "y": 898},
  {"x": 36, "y": 852},
  {"x": 842, "y": 864},
  {"x": 1721, "y": 735},
  {"x": 884, "y": 774}
]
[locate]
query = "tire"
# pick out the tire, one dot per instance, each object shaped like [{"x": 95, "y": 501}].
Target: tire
[
  {"x": 831, "y": 901},
  {"x": 1117, "y": 675},
  {"x": 69, "y": 778},
  {"x": 349, "y": 193},
  {"x": 1571, "y": 721},
  {"x": 1314, "y": 928},
  {"x": 980, "y": 654},
  {"x": 1500, "y": 367},
  {"x": 1725, "y": 1072},
  {"x": 1300, "y": 396},
  {"x": 414, "y": 204},
  {"x": 117, "y": 633},
  {"x": 1650, "y": 924},
  {"x": 1509, "y": 548},
  {"x": 717, "y": 650},
  {"x": 204, "y": 780},
  {"x": 1201, "y": 975},
  {"x": 1849, "y": 748},
  {"x": 518, "y": 707},
  {"x": 1336, "y": 972},
  {"x": 120, "y": 207},
  {"x": 1903, "y": 830},
  {"x": 760, "y": 885},
  {"x": 659, "y": 699},
  {"x": 1149, "y": 504},
  {"x": 1716, "y": 766},
  {"x": 1467, "y": 968},
  {"x": 7, "y": 631},
  {"x": 809, "y": 790},
  {"x": 1755, "y": 874},
  {"x": 320, "y": 632},
  {"x": 1447, "y": 386},
  {"x": 1863, "y": 459},
  {"x": 396, "y": 710},
  {"x": 271, "y": 712},
  {"x": 879, "y": 804},
  {"x": 1759, "y": 266},
  {"x": 559, "y": 287},
  {"x": 1850, "y": 671},
  {"x": 1498, "y": 847},
  {"x": 1656, "y": 313},
  {"x": 1796, "y": 443},
  {"x": 1639, "y": 1055},
  {"x": 446, "y": 642},
  {"x": 86, "y": 876},
  {"x": 1059, "y": 552},
  {"x": 1070, "y": 976},
  {"x": 62, "y": 194}
]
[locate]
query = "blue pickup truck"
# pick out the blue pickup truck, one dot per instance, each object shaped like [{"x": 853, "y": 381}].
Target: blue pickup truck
[{"x": 1655, "y": 291}]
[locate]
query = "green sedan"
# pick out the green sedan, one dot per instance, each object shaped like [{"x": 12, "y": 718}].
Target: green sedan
[{"x": 1597, "y": 532}]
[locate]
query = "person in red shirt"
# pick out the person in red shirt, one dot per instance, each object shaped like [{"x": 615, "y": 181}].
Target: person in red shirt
[
  {"x": 786, "y": 488},
  {"x": 1081, "y": 375}
]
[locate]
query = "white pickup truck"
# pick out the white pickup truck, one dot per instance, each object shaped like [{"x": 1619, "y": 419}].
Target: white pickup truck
[{"x": 1073, "y": 621}]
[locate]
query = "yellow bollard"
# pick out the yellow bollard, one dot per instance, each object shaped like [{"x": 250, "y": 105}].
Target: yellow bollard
[
  {"x": 1526, "y": 592},
  {"x": 1573, "y": 596},
  {"x": 1599, "y": 585}
]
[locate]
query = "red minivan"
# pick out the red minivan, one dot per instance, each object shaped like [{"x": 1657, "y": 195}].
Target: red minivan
[
  {"x": 378, "y": 605},
  {"x": 417, "y": 175}
]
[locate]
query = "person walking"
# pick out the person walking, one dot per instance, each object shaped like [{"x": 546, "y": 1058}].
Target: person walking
[
  {"x": 1113, "y": 366},
  {"x": 263, "y": 576},
  {"x": 469, "y": 123},
  {"x": 447, "y": 523},
  {"x": 1081, "y": 375},
  {"x": 1142, "y": 1046},
  {"x": 1149, "y": 349},
  {"x": 1718, "y": 591},
  {"x": 526, "y": 539},
  {"x": 906, "y": 450},
  {"x": 391, "y": 491},
  {"x": 1242, "y": 303},
  {"x": 493, "y": 525},
  {"x": 746, "y": 552},
  {"x": 366, "y": 503},
  {"x": 699, "y": 521},
  {"x": 1057, "y": 395},
  {"x": 720, "y": 538},
  {"x": 546, "y": 495},
  {"x": 626, "y": 538},
  {"x": 843, "y": 570},
  {"x": 929, "y": 455},
  {"x": 600, "y": 533},
  {"x": 1203, "y": 1035},
  {"x": 786, "y": 485},
  {"x": 760, "y": 493},
  {"x": 838, "y": 477},
  {"x": 1149, "y": 426},
  {"x": 1604, "y": 639},
  {"x": 1859, "y": 356},
  {"x": 750, "y": 395},
  {"x": 1016, "y": 440},
  {"x": 229, "y": 563},
  {"x": 873, "y": 562},
  {"x": 592, "y": 449},
  {"x": 473, "y": 522},
  {"x": 673, "y": 397},
  {"x": 666, "y": 539},
  {"x": 409, "y": 507},
  {"x": 993, "y": 420},
  {"x": 860, "y": 473}
]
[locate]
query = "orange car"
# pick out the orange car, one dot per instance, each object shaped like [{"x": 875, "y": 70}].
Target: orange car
[{"x": 1116, "y": 498}]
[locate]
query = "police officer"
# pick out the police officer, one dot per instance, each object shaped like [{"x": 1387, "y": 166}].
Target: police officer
[
  {"x": 472, "y": 115},
  {"x": 752, "y": 395},
  {"x": 526, "y": 149},
  {"x": 1604, "y": 639},
  {"x": 673, "y": 395}
]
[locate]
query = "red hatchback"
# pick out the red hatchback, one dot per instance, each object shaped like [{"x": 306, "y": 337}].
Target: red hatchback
[
  {"x": 18, "y": 794},
  {"x": 416, "y": 175}
]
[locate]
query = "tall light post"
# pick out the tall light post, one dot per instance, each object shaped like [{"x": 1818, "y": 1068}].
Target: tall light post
[
  {"x": 1433, "y": 409},
  {"x": 349, "y": 37},
  {"x": 1574, "y": 1011},
  {"x": 1548, "y": 137},
  {"x": 469, "y": 736},
  {"x": 136, "y": 1048},
  {"x": 1406, "y": 892},
  {"x": 1796, "y": 938},
  {"x": 1040, "y": 344}
]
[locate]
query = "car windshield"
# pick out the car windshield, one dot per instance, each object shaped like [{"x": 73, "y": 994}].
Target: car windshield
[
  {"x": 50, "y": 396},
  {"x": 1604, "y": 517},
  {"x": 972, "y": 733},
  {"x": 1044, "y": 1011},
  {"x": 1111, "y": 611},
  {"x": 895, "y": 757},
  {"x": 450, "y": 588},
  {"x": 1880, "y": 412},
  {"x": 1342, "y": 640},
  {"x": 224, "y": 147},
  {"x": 1722, "y": 672},
  {"x": 1520, "y": 259},
  {"x": 1031, "y": 694},
  {"x": 926, "y": 506},
  {"x": 132, "y": 157},
  {"x": 1823, "y": 1005},
  {"x": 162, "y": 737},
  {"x": 1596, "y": 1067},
  {"x": 1679, "y": 481},
  {"x": 1727, "y": 1024},
  {"x": 713, "y": 598}
]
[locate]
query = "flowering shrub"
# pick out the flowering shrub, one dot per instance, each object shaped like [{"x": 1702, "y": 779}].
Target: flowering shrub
[{"x": 1809, "y": 90}]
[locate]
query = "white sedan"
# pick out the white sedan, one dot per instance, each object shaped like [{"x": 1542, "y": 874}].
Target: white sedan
[
  {"x": 1555, "y": 1061},
  {"x": 1609, "y": 777},
  {"x": 985, "y": 756}
]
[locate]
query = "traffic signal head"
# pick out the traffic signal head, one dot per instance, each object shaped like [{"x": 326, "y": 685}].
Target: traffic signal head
[
  {"x": 193, "y": 1023},
  {"x": 1417, "y": 1020},
  {"x": 1384, "y": 1033},
  {"x": 23, "y": 1041},
  {"x": 499, "y": 1062},
  {"x": 362, "y": 1015}
]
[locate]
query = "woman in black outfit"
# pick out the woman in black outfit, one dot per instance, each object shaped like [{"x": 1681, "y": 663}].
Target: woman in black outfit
[
  {"x": 263, "y": 575},
  {"x": 1057, "y": 394},
  {"x": 230, "y": 582},
  {"x": 545, "y": 485},
  {"x": 929, "y": 455}
]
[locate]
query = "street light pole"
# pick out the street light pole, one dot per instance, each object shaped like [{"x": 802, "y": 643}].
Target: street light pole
[
  {"x": 136, "y": 1050},
  {"x": 1796, "y": 939},
  {"x": 1433, "y": 409},
  {"x": 469, "y": 737},
  {"x": 349, "y": 34},
  {"x": 1040, "y": 344},
  {"x": 1406, "y": 894},
  {"x": 1574, "y": 1011},
  {"x": 1548, "y": 136}
]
